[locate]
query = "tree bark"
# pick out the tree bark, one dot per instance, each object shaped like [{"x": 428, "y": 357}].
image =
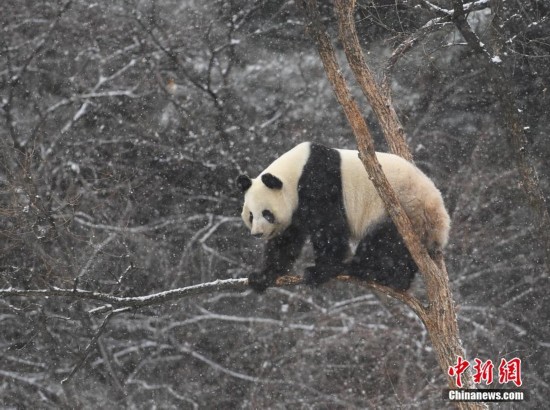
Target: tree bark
[
  {"x": 439, "y": 316},
  {"x": 378, "y": 97}
]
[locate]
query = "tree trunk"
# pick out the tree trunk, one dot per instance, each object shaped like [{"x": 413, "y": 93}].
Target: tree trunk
[{"x": 439, "y": 316}]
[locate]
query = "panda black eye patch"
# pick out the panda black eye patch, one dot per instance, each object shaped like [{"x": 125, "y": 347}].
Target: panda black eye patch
[{"x": 268, "y": 215}]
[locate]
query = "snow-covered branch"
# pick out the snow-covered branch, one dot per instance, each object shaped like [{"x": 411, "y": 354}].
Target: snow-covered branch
[
  {"x": 120, "y": 303},
  {"x": 129, "y": 302},
  {"x": 445, "y": 18}
]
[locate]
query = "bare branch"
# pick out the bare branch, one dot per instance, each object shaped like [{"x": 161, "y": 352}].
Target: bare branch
[
  {"x": 444, "y": 19},
  {"x": 130, "y": 302},
  {"x": 515, "y": 130},
  {"x": 120, "y": 304},
  {"x": 90, "y": 346},
  {"x": 461, "y": 23},
  {"x": 431, "y": 26},
  {"x": 17, "y": 73}
]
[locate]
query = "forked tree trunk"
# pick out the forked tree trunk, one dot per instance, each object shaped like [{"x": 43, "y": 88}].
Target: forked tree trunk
[{"x": 439, "y": 316}]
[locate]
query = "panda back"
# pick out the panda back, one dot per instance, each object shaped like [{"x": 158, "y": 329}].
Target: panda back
[
  {"x": 363, "y": 205},
  {"x": 418, "y": 195}
]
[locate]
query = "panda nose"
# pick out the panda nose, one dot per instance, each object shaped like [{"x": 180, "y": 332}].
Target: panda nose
[{"x": 257, "y": 235}]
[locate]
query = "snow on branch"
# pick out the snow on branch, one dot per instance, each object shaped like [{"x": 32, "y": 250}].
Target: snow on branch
[
  {"x": 445, "y": 17},
  {"x": 119, "y": 304},
  {"x": 113, "y": 305},
  {"x": 466, "y": 7}
]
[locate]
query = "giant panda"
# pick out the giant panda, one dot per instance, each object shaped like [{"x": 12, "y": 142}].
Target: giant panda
[{"x": 326, "y": 194}]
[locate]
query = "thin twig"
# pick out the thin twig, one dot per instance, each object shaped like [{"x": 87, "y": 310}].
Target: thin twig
[{"x": 90, "y": 346}]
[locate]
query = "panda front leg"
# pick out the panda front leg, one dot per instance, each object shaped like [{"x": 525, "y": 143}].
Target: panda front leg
[
  {"x": 280, "y": 254},
  {"x": 331, "y": 246}
]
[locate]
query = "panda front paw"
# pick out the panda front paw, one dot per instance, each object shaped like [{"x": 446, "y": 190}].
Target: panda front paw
[
  {"x": 315, "y": 275},
  {"x": 260, "y": 281}
]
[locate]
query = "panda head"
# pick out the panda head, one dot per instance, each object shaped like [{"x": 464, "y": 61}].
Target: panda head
[{"x": 266, "y": 210}]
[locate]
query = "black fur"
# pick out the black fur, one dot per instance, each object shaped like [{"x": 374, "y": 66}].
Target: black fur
[
  {"x": 380, "y": 256},
  {"x": 321, "y": 213},
  {"x": 272, "y": 181},
  {"x": 244, "y": 182},
  {"x": 280, "y": 254}
]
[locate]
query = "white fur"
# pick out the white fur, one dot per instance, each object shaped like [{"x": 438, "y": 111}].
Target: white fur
[
  {"x": 419, "y": 197},
  {"x": 288, "y": 168}
]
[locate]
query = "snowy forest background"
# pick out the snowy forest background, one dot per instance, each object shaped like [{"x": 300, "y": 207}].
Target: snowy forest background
[{"x": 123, "y": 126}]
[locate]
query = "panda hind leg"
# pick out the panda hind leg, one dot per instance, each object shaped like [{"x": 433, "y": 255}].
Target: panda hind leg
[
  {"x": 382, "y": 256},
  {"x": 319, "y": 274}
]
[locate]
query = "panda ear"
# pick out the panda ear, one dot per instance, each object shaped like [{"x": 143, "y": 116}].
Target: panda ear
[
  {"x": 244, "y": 182},
  {"x": 271, "y": 181}
]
